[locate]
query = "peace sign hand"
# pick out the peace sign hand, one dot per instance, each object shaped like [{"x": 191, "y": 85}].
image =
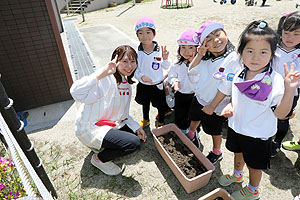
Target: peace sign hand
[
  {"x": 202, "y": 49},
  {"x": 165, "y": 52},
  {"x": 292, "y": 78},
  {"x": 108, "y": 69}
]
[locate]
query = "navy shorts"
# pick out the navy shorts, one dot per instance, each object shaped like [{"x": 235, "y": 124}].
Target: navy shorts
[
  {"x": 211, "y": 124},
  {"x": 256, "y": 152},
  {"x": 150, "y": 93}
]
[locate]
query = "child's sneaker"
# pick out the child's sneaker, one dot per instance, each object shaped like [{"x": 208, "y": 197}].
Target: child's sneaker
[
  {"x": 144, "y": 123},
  {"x": 214, "y": 158},
  {"x": 291, "y": 145},
  {"x": 275, "y": 149},
  {"x": 194, "y": 138},
  {"x": 246, "y": 194},
  {"x": 108, "y": 168},
  {"x": 227, "y": 179},
  {"x": 297, "y": 197}
]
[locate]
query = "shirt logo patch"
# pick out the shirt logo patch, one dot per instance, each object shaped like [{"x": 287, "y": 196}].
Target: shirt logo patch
[
  {"x": 155, "y": 65},
  {"x": 230, "y": 76},
  {"x": 157, "y": 59}
]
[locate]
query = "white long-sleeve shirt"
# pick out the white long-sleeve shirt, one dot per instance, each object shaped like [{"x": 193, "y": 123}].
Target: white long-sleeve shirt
[
  {"x": 151, "y": 65},
  {"x": 207, "y": 86},
  {"x": 283, "y": 56},
  {"x": 101, "y": 100},
  {"x": 179, "y": 73}
]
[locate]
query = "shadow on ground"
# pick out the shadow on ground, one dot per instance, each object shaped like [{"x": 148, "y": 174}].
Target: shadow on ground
[{"x": 91, "y": 177}]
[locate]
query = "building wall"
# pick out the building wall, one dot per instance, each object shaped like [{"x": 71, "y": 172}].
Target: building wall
[{"x": 33, "y": 66}]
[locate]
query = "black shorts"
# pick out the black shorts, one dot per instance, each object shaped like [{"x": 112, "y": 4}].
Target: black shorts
[
  {"x": 256, "y": 152},
  {"x": 211, "y": 124},
  {"x": 150, "y": 93}
]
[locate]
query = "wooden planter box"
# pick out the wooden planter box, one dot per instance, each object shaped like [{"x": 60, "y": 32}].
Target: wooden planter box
[
  {"x": 217, "y": 193},
  {"x": 189, "y": 184}
]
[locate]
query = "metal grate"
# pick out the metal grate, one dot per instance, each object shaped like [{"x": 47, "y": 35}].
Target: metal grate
[{"x": 82, "y": 62}]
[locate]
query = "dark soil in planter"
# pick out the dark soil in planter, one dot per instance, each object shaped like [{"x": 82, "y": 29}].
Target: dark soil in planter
[{"x": 181, "y": 155}]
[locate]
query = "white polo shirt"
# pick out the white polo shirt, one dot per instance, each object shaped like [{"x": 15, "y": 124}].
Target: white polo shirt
[
  {"x": 255, "y": 118},
  {"x": 283, "y": 56},
  {"x": 151, "y": 65},
  {"x": 179, "y": 72},
  {"x": 101, "y": 100},
  {"x": 207, "y": 86}
]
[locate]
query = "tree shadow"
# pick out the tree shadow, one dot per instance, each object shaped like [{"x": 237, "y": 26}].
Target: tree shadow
[{"x": 92, "y": 177}]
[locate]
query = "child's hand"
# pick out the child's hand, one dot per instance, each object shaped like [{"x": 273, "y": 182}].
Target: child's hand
[
  {"x": 208, "y": 109},
  {"x": 192, "y": 57},
  {"x": 292, "y": 78},
  {"x": 146, "y": 79},
  {"x": 165, "y": 52},
  {"x": 165, "y": 73},
  {"x": 176, "y": 86},
  {"x": 202, "y": 49},
  {"x": 141, "y": 134},
  {"x": 227, "y": 111}
]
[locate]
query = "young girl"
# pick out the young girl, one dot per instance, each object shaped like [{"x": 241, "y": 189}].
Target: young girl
[
  {"x": 212, "y": 70},
  {"x": 151, "y": 62},
  {"x": 103, "y": 120},
  {"x": 288, "y": 51},
  {"x": 259, "y": 96},
  {"x": 179, "y": 81}
]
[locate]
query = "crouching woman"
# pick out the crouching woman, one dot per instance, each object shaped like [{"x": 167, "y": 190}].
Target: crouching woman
[{"x": 103, "y": 123}]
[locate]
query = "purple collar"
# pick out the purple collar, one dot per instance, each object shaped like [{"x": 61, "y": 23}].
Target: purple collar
[{"x": 258, "y": 90}]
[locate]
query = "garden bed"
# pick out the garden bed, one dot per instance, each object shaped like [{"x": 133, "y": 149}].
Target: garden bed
[
  {"x": 200, "y": 177},
  {"x": 217, "y": 194},
  {"x": 182, "y": 156}
]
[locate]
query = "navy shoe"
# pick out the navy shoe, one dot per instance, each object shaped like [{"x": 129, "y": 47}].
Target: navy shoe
[{"x": 214, "y": 158}]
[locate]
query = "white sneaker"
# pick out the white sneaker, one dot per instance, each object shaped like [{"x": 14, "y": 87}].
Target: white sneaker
[{"x": 108, "y": 168}]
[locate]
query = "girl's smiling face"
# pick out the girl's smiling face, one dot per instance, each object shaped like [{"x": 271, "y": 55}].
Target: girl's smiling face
[
  {"x": 187, "y": 51},
  {"x": 290, "y": 38},
  {"x": 126, "y": 66},
  {"x": 216, "y": 42},
  {"x": 257, "y": 54},
  {"x": 145, "y": 35}
]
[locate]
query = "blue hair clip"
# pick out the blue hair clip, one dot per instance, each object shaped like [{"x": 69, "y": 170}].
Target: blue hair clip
[{"x": 262, "y": 25}]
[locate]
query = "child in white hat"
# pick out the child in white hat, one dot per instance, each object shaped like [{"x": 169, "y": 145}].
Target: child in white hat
[{"x": 212, "y": 70}]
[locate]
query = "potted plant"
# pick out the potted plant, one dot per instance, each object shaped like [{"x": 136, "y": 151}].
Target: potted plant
[
  {"x": 217, "y": 194},
  {"x": 189, "y": 184}
]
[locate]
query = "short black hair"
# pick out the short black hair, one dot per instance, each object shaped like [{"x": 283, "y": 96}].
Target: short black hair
[
  {"x": 291, "y": 22},
  {"x": 258, "y": 28}
]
